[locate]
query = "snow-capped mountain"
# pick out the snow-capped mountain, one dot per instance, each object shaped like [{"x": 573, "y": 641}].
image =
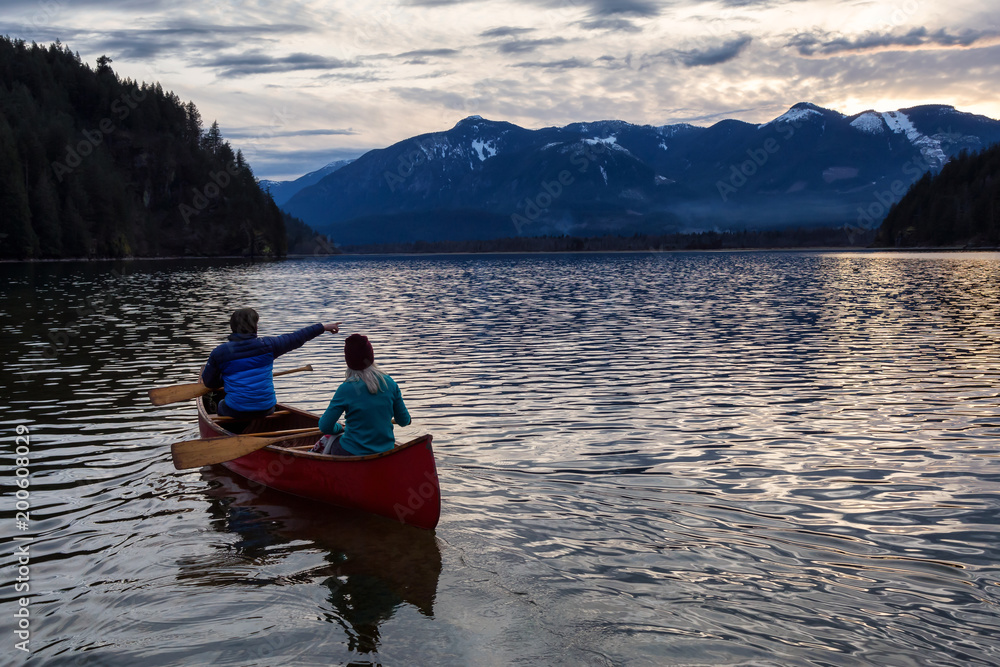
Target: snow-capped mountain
[
  {"x": 486, "y": 179},
  {"x": 898, "y": 122},
  {"x": 282, "y": 191}
]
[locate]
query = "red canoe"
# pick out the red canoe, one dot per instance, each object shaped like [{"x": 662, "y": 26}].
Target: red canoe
[{"x": 401, "y": 484}]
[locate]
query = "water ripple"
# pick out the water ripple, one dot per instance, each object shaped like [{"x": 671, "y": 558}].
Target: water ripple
[{"x": 691, "y": 458}]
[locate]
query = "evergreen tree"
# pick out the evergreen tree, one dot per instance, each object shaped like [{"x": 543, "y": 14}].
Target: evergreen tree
[
  {"x": 104, "y": 65},
  {"x": 19, "y": 238},
  {"x": 193, "y": 125},
  {"x": 44, "y": 201},
  {"x": 212, "y": 141}
]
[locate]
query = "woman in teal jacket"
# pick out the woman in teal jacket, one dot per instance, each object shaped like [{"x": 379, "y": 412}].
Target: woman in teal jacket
[{"x": 369, "y": 400}]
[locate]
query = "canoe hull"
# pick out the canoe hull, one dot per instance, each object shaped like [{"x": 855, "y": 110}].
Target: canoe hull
[{"x": 401, "y": 484}]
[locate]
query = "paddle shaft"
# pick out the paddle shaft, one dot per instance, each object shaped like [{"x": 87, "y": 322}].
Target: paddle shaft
[
  {"x": 307, "y": 367},
  {"x": 184, "y": 392},
  {"x": 209, "y": 451}
]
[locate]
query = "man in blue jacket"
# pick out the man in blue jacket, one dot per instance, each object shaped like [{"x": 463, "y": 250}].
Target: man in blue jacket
[{"x": 245, "y": 364}]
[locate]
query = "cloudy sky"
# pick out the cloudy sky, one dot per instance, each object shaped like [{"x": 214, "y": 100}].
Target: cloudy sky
[{"x": 297, "y": 84}]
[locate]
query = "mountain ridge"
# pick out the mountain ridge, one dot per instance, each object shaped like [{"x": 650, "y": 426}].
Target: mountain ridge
[
  {"x": 282, "y": 191},
  {"x": 808, "y": 167}
]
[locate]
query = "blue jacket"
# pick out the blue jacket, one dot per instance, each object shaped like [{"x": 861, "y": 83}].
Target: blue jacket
[
  {"x": 245, "y": 364},
  {"x": 368, "y": 416}
]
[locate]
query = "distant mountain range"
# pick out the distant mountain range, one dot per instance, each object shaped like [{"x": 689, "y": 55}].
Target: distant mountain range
[
  {"x": 482, "y": 179},
  {"x": 282, "y": 191}
]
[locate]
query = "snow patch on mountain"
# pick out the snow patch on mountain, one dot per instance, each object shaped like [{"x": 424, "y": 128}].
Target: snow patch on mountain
[
  {"x": 869, "y": 122},
  {"x": 484, "y": 149},
  {"x": 438, "y": 146},
  {"x": 794, "y": 115},
  {"x": 899, "y": 123},
  {"x": 610, "y": 142},
  {"x": 335, "y": 165},
  {"x": 930, "y": 148}
]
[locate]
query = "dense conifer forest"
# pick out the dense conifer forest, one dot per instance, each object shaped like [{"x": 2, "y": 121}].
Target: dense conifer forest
[
  {"x": 93, "y": 165},
  {"x": 960, "y": 206},
  {"x": 825, "y": 237}
]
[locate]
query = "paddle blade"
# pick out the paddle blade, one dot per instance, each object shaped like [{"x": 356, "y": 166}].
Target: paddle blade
[
  {"x": 209, "y": 451},
  {"x": 180, "y": 392}
]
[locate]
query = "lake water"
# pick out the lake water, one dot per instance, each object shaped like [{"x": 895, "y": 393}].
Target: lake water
[{"x": 645, "y": 459}]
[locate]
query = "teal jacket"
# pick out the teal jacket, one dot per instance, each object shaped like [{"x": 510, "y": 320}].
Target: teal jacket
[{"x": 368, "y": 416}]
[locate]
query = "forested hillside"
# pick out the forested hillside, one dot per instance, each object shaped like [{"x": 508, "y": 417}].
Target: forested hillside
[
  {"x": 92, "y": 165},
  {"x": 959, "y": 206}
]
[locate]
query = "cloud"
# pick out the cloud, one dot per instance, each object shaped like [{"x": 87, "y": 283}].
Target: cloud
[
  {"x": 570, "y": 63},
  {"x": 437, "y": 3},
  {"x": 257, "y": 62},
  {"x": 191, "y": 27},
  {"x": 615, "y": 25},
  {"x": 40, "y": 10},
  {"x": 822, "y": 44},
  {"x": 611, "y": 62},
  {"x": 169, "y": 36},
  {"x": 680, "y": 115},
  {"x": 125, "y": 46},
  {"x": 635, "y": 8},
  {"x": 421, "y": 57},
  {"x": 429, "y": 53},
  {"x": 761, "y": 4},
  {"x": 505, "y": 31},
  {"x": 701, "y": 57},
  {"x": 437, "y": 74},
  {"x": 356, "y": 76},
  {"x": 441, "y": 98},
  {"x": 527, "y": 45},
  {"x": 715, "y": 55},
  {"x": 243, "y": 133}
]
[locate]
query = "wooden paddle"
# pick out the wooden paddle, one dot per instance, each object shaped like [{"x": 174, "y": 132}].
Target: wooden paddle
[
  {"x": 209, "y": 451},
  {"x": 183, "y": 392}
]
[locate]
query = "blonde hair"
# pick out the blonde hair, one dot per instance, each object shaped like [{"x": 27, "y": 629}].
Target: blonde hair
[{"x": 373, "y": 377}]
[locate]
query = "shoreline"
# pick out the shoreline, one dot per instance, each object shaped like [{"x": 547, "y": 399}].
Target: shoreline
[
  {"x": 941, "y": 249},
  {"x": 134, "y": 259}
]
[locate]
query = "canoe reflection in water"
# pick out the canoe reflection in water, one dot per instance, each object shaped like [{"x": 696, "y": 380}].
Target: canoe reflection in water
[{"x": 374, "y": 564}]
